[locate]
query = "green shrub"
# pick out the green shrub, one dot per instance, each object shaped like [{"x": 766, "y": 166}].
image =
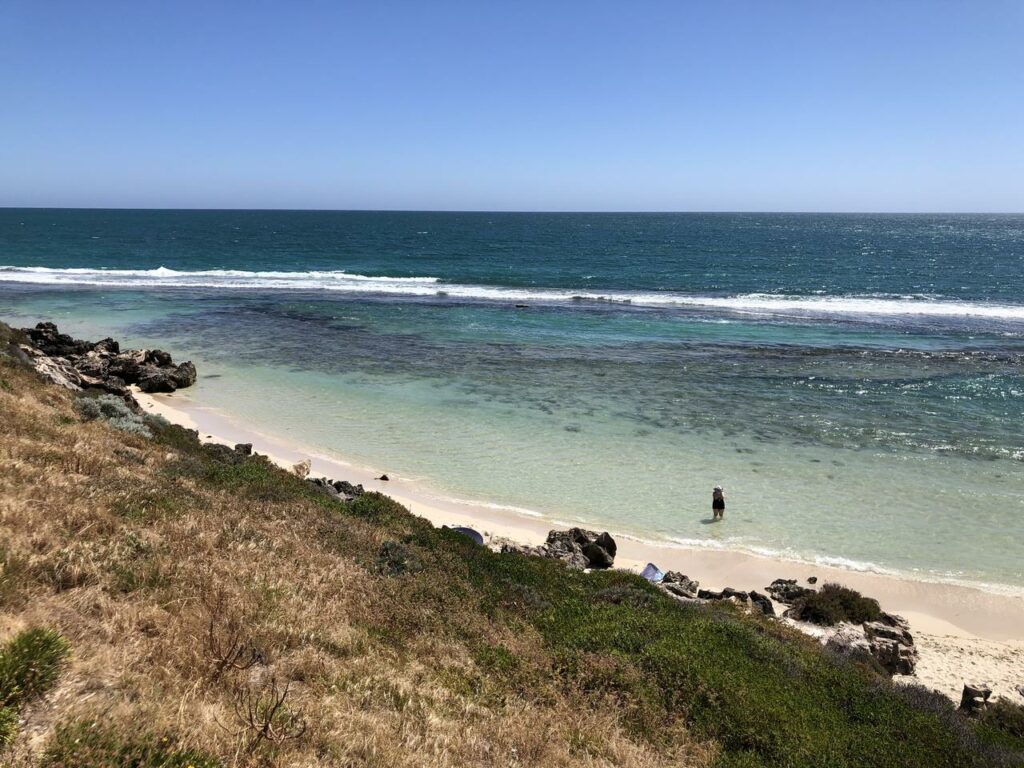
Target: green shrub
[
  {"x": 173, "y": 435},
  {"x": 29, "y": 665},
  {"x": 102, "y": 407},
  {"x": 87, "y": 744},
  {"x": 131, "y": 424},
  {"x": 395, "y": 558},
  {"x": 8, "y": 725},
  {"x": 114, "y": 411},
  {"x": 1005, "y": 716},
  {"x": 496, "y": 659},
  {"x": 833, "y": 604}
]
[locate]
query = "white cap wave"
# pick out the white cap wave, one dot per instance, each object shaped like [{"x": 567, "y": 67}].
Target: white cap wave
[{"x": 347, "y": 282}]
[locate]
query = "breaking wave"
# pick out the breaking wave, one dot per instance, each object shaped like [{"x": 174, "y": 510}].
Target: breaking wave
[{"x": 346, "y": 282}]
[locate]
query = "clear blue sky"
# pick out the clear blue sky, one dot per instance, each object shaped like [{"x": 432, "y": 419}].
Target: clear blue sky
[{"x": 862, "y": 106}]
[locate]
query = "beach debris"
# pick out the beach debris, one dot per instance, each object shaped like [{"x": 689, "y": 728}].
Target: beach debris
[
  {"x": 382, "y": 477},
  {"x": 974, "y": 698},
  {"x": 652, "y": 573},
  {"x": 302, "y": 468},
  {"x": 787, "y": 591},
  {"x": 576, "y": 547},
  {"x": 76, "y": 364},
  {"x": 1020, "y": 689},
  {"x": 812, "y": 579}
]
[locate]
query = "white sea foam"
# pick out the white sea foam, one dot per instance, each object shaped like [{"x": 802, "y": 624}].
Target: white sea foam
[{"x": 346, "y": 282}]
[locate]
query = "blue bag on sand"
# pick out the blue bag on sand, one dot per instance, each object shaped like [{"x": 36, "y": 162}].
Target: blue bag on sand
[{"x": 652, "y": 573}]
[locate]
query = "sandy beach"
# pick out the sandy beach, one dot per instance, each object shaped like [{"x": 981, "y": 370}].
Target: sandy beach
[{"x": 963, "y": 634}]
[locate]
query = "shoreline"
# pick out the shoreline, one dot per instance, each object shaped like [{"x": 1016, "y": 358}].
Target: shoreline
[{"x": 964, "y": 634}]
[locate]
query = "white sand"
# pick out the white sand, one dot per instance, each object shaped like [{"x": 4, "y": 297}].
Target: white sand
[{"x": 963, "y": 634}]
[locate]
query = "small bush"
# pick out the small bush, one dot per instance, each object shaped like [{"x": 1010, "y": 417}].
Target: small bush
[
  {"x": 833, "y": 604},
  {"x": 132, "y": 425},
  {"x": 395, "y": 558},
  {"x": 1005, "y": 716},
  {"x": 496, "y": 660},
  {"x": 8, "y": 725},
  {"x": 102, "y": 407},
  {"x": 90, "y": 745},
  {"x": 156, "y": 420},
  {"x": 29, "y": 665},
  {"x": 114, "y": 411}
]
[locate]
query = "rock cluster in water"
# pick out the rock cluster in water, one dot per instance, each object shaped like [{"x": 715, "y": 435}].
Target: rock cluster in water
[{"x": 76, "y": 364}]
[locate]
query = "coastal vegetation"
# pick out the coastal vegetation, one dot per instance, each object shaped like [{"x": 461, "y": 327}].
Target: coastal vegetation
[
  {"x": 833, "y": 604},
  {"x": 180, "y": 604}
]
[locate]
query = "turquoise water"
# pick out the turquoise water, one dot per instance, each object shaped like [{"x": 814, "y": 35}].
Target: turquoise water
[{"x": 853, "y": 381}]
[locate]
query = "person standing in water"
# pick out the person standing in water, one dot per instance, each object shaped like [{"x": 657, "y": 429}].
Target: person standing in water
[{"x": 718, "y": 502}]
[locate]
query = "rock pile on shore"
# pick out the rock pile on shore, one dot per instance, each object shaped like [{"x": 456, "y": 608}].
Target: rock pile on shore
[
  {"x": 76, "y": 364},
  {"x": 576, "y": 547},
  {"x": 340, "y": 490}
]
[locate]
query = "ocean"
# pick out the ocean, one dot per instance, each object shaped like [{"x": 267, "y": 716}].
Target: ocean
[{"x": 853, "y": 381}]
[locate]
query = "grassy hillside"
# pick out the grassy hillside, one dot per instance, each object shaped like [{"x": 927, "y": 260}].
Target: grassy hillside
[{"x": 220, "y": 611}]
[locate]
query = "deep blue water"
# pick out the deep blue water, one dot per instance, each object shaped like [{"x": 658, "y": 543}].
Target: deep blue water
[
  {"x": 965, "y": 257},
  {"x": 854, "y": 380}
]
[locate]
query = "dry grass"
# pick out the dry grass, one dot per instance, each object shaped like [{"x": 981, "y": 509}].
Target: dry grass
[{"x": 181, "y": 597}]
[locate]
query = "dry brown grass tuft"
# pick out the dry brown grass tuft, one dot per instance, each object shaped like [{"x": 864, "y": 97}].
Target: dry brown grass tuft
[{"x": 191, "y": 608}]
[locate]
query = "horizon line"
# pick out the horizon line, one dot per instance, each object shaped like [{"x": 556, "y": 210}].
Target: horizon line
[{"x": 506, "y": 211}]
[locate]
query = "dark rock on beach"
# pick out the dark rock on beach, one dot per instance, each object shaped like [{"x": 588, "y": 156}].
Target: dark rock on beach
[
  {"x": 341, "y": 490},
  {"x": 974, "y": 698},
  {"x": 680, "y": 585},
  {"x": 763, "y": 603},
  {"x": 787, "y": 590},
  {"x": 709, "y": 594},
  {"x": 576, "y": 547}
]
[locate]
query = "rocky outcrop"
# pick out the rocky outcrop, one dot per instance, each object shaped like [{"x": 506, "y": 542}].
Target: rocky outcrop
[
  {"x": 76, "y": 364},
  {"x": 891, "y": 646},
  {"x": 849, "y": 641},
  {"x": 680, "y": 585},
  {"x": 787, "y": 591},
  {"x": 576, "y": 547}
]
